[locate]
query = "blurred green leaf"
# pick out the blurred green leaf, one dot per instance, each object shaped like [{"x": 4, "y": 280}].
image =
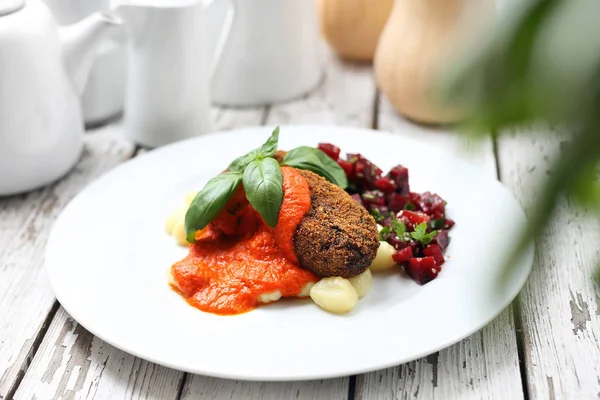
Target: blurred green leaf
[{"x": 541, "y": 63}]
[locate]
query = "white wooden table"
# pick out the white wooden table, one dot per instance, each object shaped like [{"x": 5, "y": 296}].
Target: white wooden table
[{"x": 545, "y": 346}]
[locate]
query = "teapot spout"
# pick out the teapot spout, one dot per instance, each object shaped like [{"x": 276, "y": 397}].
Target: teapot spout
[{"x": 80, "y": 45}]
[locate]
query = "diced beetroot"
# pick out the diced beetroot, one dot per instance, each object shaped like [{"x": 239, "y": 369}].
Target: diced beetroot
[
  {"x": 431, "y": 203},
  {"x": 413, "y": 217},
  {"x": 386, "y": 222},
  {"x": 435, "y": 251},
  {"x": 449, "y": 223},
  {"x": 331, "y": 150},
  {"x": 382, "y": 210},
  {"x": 399, "y": 174},
  {"x": 397, "y": 202},
  {"x": 415, "y": 199},
  {"x": 373, "y": 198},
  {"x": 422, "y": 270},
  {"x": 358, "y": 199},
  {"x": 371, "y": 174},
  {"x": 398, "y": 243},
  {"x": 442, "y": 239},
  {"x": 386, "y": 185},
  {"x": 359, "y": 172},
  {"x": 403, "y": 255},
  {"x": 437, "y": 215},
  {"x": 347, "y": 166},
  {"x": 353, "y": 157}
]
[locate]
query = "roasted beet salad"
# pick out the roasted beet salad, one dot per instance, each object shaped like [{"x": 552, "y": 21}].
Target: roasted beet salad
[{"x": 415, "y": 224}]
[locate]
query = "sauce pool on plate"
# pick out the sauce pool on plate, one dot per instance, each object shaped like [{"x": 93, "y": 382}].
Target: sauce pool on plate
[{"x": 232, "y": 273}]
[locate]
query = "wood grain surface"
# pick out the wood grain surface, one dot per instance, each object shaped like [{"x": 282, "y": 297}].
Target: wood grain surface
[
  {"x": 560, "y": 306},
  {"x": 44, "y": 354}
]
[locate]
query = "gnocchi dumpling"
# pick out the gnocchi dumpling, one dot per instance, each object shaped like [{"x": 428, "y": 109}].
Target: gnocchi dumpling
[
  {"x": 175, "y": 217},
  {"x": 189, "y": 198},
  {"x": 362, "y": 283},
  {"x": 383, "y": 260},
  {"x": 179, "y": 233},
  {"x": 334, "y": 294},
  {"x": 269, "y": 297},
  {"x": 175, "y": 224},
  {"x": 306, "y": 290}
]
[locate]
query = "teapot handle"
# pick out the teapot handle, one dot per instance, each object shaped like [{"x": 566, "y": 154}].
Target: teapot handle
[{"x": 224, "y": 35}]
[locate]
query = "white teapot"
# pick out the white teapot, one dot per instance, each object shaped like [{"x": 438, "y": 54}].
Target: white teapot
[{"x": 43, "y": 71}]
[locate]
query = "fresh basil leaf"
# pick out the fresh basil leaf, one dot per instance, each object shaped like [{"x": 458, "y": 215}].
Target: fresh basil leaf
[
  {"x": 240, "y": 163},
  {"x": 263, "y": 184},
  {"x": 398, "y": 227},
  {"x": 209, "y": 202},
  {"x": 315, "y": 160},
  {"x": 270, "y": 147}
]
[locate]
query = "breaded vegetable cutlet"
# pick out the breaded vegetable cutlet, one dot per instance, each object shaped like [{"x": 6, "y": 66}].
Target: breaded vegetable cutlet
[{"x": 337, "y": 237}]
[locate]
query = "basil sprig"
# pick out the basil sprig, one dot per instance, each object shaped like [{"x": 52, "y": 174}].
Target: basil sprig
[
  {"x": 263, "y": 184},
  {"x": 266, "y": 150},
  {"x": 260, "y": 175},
  {"x": 209, "y": 202},
  {"x": 315, "y": 160}
]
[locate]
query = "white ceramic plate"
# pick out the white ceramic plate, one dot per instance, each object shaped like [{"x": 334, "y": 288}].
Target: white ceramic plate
[{"x": 108, "y": 256}]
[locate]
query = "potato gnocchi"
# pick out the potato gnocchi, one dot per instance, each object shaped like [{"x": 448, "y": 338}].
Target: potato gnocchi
[
  {"x": 383, "y": 260},
  {"x": 175, "y": 224},
  {"x": 334, "y": 294}
]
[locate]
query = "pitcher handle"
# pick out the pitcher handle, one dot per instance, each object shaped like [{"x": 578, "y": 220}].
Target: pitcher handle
[{"x": 223, "y": 37}]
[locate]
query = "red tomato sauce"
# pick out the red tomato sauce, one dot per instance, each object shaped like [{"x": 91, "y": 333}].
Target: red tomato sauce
[{"x": 238, "y": 257}]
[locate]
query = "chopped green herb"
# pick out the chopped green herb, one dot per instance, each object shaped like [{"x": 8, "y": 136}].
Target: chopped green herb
[
  {"x": 398, "y": 227},
  {"x": 420, "y": 234},
  {"x": 437, "y": 223},
  {"x": 386, "y": 230},
  {"x": 409, "y": 206},
  {"x": 376, "y": 214}
]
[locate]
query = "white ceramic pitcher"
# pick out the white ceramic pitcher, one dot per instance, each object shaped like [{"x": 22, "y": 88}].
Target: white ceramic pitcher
[
  {"x": 272, "y": 55},
  {"x": 168, "y": 85},
  {"x": 103, "y": 96}
]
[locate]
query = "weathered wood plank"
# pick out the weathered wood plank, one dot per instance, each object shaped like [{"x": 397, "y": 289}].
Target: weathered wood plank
[
  {"x": 345, "y": 97},
  {"x": 560, "y": 306},
  {"x": 232, "y": 118},
  {"x": 25, "y": 296},
  {"x": 207, "y": 388},
  {"x": 483, "y": 366},
  {"x": 72, "y": 363}
]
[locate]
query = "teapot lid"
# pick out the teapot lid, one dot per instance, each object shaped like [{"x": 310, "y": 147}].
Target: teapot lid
[{"x": 10, "y": 6}]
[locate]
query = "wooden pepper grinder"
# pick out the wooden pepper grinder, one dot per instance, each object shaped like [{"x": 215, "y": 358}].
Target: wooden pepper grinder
[{"x": 411, "y": 52}]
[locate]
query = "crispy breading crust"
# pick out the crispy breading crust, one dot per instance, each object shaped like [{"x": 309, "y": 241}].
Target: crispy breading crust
[{"x": 337, "y": 237}]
